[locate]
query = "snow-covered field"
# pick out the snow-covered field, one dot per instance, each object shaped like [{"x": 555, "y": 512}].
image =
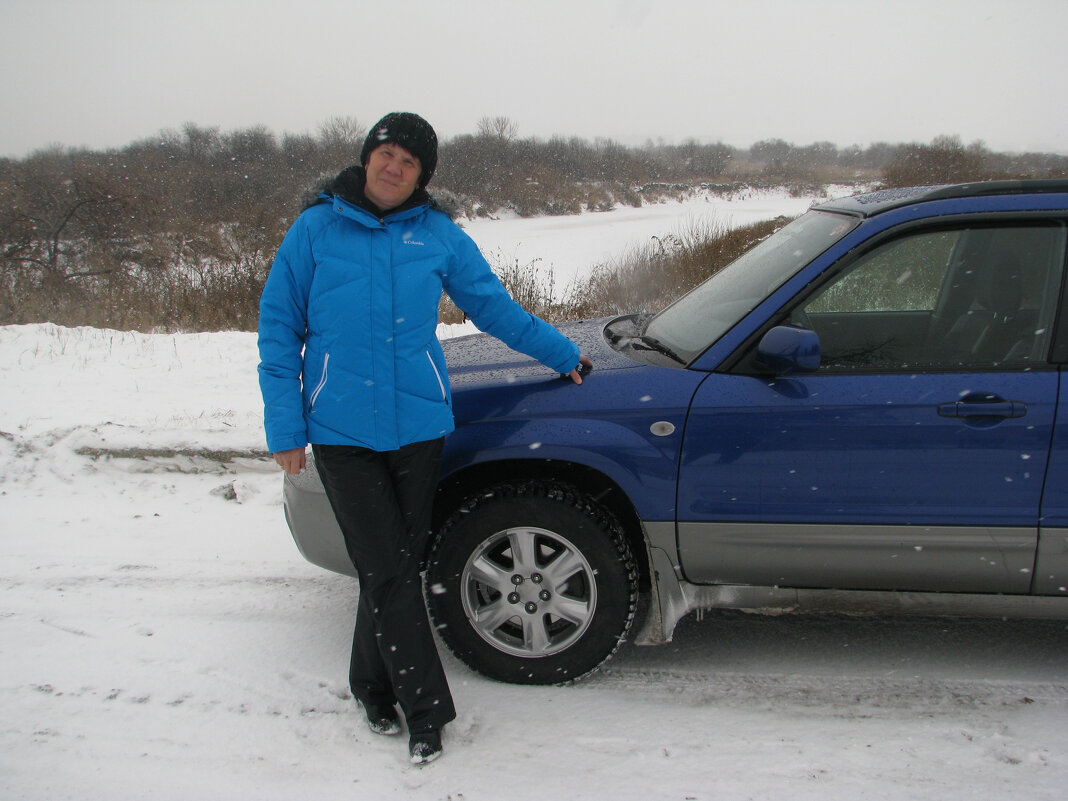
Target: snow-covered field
[
  {"x": 161, "y": 638},
  {"x": 567, "y": 248}
]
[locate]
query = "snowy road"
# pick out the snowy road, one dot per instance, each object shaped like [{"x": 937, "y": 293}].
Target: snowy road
[{"x": 160, "y": 638}]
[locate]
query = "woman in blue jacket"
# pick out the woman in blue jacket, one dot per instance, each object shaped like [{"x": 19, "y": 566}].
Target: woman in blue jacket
[{"x": 350, "y": 363}]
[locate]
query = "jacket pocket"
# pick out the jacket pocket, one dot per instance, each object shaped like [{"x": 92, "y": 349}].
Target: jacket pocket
[
  {"x": 320, "y": 385},
  {"x": 437, "y": 375}
]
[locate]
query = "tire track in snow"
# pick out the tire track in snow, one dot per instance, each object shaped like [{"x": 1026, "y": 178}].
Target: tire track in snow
[{"x": 851, "y": 696}]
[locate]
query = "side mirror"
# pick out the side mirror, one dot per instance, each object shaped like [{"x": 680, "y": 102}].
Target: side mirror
[{"x": 788, "y": 349}]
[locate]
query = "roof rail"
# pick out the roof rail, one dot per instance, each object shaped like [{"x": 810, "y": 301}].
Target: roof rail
[
  {"x": 1029, "y": 187},
  {"x": 879, "y": 201}
]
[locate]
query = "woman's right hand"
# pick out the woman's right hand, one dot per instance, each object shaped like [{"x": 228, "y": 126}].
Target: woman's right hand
[{"x": 292, "y": 461}]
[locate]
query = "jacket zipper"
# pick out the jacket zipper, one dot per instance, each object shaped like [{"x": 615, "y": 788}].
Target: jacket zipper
[
  {"x": 320, "y": 385},
  {"x": 437, "y": 375}
]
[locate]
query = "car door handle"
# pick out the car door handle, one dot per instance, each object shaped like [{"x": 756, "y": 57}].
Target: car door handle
[{"x": 984, "y": 408}]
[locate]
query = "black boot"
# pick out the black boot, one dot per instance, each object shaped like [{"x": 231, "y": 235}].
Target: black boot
[
  {"x": 425, "y": 746},
  {"x": 382, "y": 719}
]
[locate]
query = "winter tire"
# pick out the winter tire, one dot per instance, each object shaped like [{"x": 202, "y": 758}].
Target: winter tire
[{"x": 532, "y": 584}]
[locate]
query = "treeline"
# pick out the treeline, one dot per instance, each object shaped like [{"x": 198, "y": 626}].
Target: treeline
[
  {"x": 178, "y": 232},
  {"x": 944, "y": 160}
]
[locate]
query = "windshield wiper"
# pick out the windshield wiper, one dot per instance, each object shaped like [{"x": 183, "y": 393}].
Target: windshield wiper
[{"x": 652, "y": 343}]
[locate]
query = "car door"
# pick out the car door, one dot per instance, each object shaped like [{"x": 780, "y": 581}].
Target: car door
[{"x": 914, "y": 457}]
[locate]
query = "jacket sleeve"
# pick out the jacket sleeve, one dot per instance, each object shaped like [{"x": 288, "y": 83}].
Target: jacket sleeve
[
  {"x": 480, "y": 295},
  {"x": 282, "y": 331}
]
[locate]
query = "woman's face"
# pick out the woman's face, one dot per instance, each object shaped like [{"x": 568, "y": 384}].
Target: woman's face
[{"x": 392, "y": 174}]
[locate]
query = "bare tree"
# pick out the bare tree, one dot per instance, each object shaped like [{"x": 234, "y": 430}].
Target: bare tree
[
  {"x": 500, "y": 128},
  {"x": 342, "y": 136},
  {"x": 200, "y": 144},
  {"x": 65, "y": 223}
]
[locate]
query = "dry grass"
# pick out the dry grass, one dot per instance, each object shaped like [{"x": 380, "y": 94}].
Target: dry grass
[{"x": 651, "y": 275}]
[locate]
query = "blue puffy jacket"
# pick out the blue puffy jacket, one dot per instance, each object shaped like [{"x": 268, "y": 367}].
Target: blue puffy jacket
[{"x": 348, "y": 317}]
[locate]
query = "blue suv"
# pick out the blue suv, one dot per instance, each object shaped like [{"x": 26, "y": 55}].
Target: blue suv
[{"x": 865, "y": 412}]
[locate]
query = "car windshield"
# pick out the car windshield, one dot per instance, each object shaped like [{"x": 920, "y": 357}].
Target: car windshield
[{"x": 703, "y": 315}]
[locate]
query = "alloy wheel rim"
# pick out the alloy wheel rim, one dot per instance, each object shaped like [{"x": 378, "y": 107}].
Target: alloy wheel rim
[{"x": 529, "y": 592}]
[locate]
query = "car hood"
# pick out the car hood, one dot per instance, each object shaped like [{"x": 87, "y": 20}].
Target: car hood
[{"x": 481, "y": 358}]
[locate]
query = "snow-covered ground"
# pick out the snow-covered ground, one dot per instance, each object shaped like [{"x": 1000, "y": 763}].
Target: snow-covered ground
[{"x": 161, "y": 638}]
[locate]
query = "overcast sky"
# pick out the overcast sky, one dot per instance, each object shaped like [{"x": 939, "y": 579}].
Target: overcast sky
[{"x": 104, "y": 73}]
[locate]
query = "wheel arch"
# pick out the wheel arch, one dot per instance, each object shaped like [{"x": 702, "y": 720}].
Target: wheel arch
[{"x": 456, "y": 487}]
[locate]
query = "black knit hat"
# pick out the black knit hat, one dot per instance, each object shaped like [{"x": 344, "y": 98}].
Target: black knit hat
[{"x": 411, "y": 132}]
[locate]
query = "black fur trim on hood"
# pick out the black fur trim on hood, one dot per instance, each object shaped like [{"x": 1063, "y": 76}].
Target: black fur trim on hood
[{"x": 348, "y": 185}]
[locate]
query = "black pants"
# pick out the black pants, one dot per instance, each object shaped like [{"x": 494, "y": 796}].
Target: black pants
[{"x": 383, "y": 503}]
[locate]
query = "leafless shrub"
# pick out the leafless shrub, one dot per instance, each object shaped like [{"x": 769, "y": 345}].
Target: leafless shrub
[
  {"x": 530, "y": 284},
  {"x": 945, "y": 160}
]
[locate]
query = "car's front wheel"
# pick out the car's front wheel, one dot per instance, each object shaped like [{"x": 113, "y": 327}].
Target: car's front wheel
[{"x": 532, "y": 583}]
